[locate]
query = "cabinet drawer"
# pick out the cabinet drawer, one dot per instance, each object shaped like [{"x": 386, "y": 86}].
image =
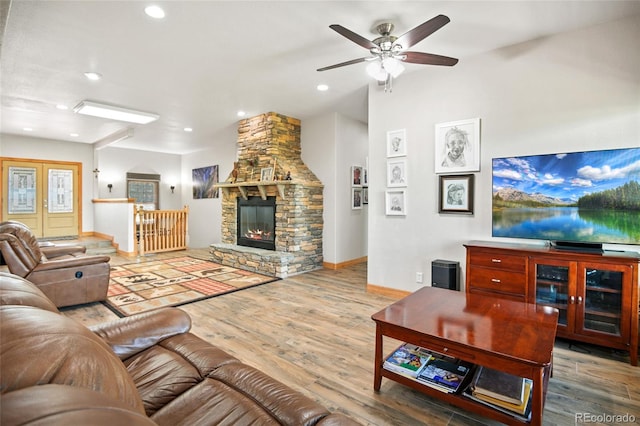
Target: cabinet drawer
[
  {"x": 498, "y": 260},
  {"x": 497, "y": 280}
]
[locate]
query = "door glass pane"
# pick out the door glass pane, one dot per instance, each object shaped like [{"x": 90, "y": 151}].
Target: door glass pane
[
  {"x": 22, "y": 190},
  {"x": 603, "y": 301},
  {"x": 552, "y": 287},
  {"x": 60, "y": 191}
]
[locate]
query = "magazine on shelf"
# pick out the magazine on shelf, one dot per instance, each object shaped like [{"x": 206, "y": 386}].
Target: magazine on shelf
[
  {"x": 521, "y": 411},
  {"x": 407, "y": 359},
  {"x": 516, "y": 408},
  {"x": 445, "y": 373},
  {"x": 499, "y": 385}
]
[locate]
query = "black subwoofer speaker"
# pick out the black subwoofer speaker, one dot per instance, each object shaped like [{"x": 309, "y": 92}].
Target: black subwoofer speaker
[{"x": 444, "y": 274}]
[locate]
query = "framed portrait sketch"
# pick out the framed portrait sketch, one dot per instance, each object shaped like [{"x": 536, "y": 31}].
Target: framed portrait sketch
[
  {"x": 397, "y": 143},
  {"x": 266, "y": 174},
  {"x": 457, "y": 146},
  {"x": 356, "y": 176},
  {"x": 356, "y": 198},
  {"x": 396, "y": 202},
  {"x": 455, "y": 194},
  {"x": 397, "y": 172}
]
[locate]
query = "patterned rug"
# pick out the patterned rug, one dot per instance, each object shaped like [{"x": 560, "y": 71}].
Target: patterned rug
[{"x": 140, "y": 287}]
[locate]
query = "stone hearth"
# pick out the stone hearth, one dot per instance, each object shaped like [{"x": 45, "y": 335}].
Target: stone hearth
[{"x": 273, "y": 141}]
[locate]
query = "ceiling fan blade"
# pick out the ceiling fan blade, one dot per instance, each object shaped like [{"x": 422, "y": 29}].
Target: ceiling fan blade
[
  {"x": 428, "y": 59},
  {"x": 420, "y": 32},
  {"x": 342, "y": 64},
  {"x": 356, "y": 38}
]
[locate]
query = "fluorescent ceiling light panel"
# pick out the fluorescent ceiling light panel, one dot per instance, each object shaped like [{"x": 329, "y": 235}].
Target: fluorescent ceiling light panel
[{"x": 114, "y": 113}]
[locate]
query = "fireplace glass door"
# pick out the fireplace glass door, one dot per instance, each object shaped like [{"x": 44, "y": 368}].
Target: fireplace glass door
[{"x": 256, "y": 222}]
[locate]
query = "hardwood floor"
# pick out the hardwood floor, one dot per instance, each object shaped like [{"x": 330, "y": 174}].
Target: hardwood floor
[{"x": 314, "y": 332}]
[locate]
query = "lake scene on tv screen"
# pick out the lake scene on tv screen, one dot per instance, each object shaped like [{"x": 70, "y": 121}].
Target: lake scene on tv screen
[{"x": 587, "y": 197}]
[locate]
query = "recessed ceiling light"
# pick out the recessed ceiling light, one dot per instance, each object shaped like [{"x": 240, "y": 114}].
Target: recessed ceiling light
[
  {"x": 322, "y": 87},
  {"x": 74, "y": 135},
  {"x": 62, "y": 107},
  {"x": 188, "y": 129},
  {"x": 93, "y": 76},
  {"x": 241, "y": 113},
  {"x": 27, "y": 129},
  {"x": 154, "y": 11}
]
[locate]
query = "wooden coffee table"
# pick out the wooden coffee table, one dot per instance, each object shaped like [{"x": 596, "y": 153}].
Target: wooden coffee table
[{"x": 511, "y": 336}]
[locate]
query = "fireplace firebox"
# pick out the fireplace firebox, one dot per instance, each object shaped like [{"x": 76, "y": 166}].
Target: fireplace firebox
[{"x": 257, "y": 222}]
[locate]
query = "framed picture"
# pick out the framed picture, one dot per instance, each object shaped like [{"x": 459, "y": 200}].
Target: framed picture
[
  {"x": 397, "y": 143},
  {"x": 397, "y": 172},
  {"x": 396, "y": 202},
  {"x": 204, "y": 179},
  {"x": 457, "y": 146},
  {"x": 356, "y": 198},
  {"x": 356, "y": 176},
  {"x": 456, "y": 194},
  {"x": 365, "y": 195},
  {"x": 266, "y": 174}
]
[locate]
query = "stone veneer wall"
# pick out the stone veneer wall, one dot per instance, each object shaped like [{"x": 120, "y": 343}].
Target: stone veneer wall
[{"x": 262, "y": 141}]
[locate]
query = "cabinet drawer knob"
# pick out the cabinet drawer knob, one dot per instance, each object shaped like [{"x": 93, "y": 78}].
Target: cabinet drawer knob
[{"x": 496, "y": 260}]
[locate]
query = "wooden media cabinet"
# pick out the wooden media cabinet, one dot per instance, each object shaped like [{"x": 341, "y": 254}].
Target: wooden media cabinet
[{"x": 596, "y": 293}]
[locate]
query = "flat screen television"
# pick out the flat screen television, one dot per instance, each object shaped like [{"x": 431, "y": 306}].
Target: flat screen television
[{"x": 576, "y": 200}]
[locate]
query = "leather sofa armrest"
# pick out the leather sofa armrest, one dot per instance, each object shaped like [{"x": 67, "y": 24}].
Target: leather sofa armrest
[
  {"x": 72, "y": 262},
  {"x": 58, "y": 250},
  {"x": 131, "y": 335}
]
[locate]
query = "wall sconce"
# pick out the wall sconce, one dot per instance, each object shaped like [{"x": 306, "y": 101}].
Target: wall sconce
[
  {"x": 172, "y": 187},
  {"x": 110, "y": 185}
]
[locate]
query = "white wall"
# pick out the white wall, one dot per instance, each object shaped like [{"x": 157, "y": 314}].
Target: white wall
[
  {"x": 318, "y": 143},
  {"x": 14, "y": 146},
  {"x": 331, "y": 144},
  {"x": 570, "y": 92},
  {"x": 115, "y": 163},
  {"x": 205, "y": 215}
]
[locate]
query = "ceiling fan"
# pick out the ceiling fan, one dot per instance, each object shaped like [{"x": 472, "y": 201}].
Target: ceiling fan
[{"x": 388, "y": 52}]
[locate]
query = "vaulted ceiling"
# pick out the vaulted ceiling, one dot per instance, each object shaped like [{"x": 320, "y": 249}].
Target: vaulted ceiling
[{"x": 206, "y": 60}]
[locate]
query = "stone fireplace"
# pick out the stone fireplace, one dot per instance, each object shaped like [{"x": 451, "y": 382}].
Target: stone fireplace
[{"x": 269, "y": 168}]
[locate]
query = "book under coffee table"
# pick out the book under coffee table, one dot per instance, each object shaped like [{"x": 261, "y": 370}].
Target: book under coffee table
[{"x": 511, "y": 336}]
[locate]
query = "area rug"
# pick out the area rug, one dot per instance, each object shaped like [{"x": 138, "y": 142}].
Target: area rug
[{"x": 139, "y": 287}]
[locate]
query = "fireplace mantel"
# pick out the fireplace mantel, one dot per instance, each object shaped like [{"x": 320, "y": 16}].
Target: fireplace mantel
[{"x": 261, "y": 186}]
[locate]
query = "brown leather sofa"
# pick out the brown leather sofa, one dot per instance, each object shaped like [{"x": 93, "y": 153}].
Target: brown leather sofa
[
  {"x": 145, "y": 369},
  {"x": 64, "y": 273}
]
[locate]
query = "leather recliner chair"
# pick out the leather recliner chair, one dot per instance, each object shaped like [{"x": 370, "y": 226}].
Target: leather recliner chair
[{"x": 64, "y": 273}]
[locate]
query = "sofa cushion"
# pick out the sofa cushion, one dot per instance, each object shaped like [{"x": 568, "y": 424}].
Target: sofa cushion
[
  {"x": 39, "y": 347},
  {"x": 165, "y": 371},
  {"x": 66, "y": 405},
  {"x": 15, "y": 290}
]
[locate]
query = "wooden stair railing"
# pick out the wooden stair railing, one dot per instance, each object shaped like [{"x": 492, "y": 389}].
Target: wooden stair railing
[{"x": 161, "y": 230}]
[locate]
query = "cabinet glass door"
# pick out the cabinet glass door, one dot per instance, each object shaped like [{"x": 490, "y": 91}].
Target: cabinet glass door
[
  {"x": 603, "y": 300},
  {"x": 552, "y": 288}
]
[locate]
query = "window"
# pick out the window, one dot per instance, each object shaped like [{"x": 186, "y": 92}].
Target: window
[{"x": 143, "y": 188}]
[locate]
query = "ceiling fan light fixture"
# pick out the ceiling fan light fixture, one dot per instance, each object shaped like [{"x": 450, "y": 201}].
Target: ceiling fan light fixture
[
  {"x": 95, "y": 109},
  {"x": 377, "y": 71},
  {"x": 392, "y": 66}
]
